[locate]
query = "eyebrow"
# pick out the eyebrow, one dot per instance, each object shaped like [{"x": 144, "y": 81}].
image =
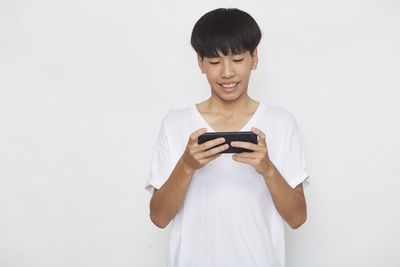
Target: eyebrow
[
  {"x": 233, "y": 53},
  {"x": 238, "y": 53}
]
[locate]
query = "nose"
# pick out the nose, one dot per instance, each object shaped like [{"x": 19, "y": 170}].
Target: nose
[{"x": 227, "y": 69}]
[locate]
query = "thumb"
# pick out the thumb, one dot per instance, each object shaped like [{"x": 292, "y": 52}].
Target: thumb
[{"x": 196, "y": 134}]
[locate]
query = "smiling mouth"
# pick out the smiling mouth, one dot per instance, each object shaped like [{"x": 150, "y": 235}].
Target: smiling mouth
[{"x": 229, "y": 85}]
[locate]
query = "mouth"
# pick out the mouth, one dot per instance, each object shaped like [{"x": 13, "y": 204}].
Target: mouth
[{"x": 228, "y": 87}]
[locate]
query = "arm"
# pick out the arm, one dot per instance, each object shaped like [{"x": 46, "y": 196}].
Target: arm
[
  {"x": 289, "y": 202},
  {"x": 168, "y": 200}
]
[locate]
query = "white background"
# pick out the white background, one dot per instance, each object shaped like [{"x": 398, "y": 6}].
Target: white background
[{"x": 85, "y": 84}]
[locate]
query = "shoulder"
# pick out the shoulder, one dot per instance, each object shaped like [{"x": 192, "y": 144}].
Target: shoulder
[
  {"x": 177, "y": 116},
  {"x": 278, "y": 115}
]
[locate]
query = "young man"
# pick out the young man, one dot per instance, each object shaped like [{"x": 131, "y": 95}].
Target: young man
[{"x": 227, "y": 209}]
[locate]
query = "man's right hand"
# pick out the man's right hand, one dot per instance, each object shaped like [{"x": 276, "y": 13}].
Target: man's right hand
[
  {"x": 168, "y": 200},
  {"x": 197, "y": 156}
]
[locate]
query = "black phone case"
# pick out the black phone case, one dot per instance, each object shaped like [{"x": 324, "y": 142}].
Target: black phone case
[{"x": 246, "y": 136}]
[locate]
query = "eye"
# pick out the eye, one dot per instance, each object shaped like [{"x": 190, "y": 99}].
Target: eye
[
  {"x": 238, "y": 60},
  {"x": 214, "y": 63}
]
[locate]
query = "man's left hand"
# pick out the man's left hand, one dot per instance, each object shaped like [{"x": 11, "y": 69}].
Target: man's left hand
[{"x": 259, "y": 159}]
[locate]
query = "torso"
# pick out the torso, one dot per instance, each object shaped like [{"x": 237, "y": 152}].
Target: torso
[{"x": 232, "y": 123}]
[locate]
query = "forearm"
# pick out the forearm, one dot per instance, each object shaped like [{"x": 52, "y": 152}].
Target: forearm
[
  {"x": 289, "y": 202},
  {"x": 168, "y": 200}
]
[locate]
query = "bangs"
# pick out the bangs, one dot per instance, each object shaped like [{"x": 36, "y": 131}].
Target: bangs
[{"x": 225, "y": 30}]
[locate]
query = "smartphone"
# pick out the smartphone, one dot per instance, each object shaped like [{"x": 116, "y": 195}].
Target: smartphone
[{"x": 246, "y": 136}]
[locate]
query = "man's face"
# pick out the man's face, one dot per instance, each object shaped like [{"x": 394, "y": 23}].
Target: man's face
[{"x": 229, "y": 75}]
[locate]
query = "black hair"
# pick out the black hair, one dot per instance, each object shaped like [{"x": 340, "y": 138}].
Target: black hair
[{"x": 225, "y": 29}]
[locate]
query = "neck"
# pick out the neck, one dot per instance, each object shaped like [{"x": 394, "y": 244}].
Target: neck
[{"x": 230, "y": 108}]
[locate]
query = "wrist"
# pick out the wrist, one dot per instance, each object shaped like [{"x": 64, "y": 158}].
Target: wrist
[
  {"x": 270, "y": 171},
  {"x": 185, "y": 167}
]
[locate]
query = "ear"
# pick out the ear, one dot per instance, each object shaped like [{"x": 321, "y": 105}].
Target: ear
[
  {"x": 254, "y": 59},
  {"x": 201, "y": 63}
]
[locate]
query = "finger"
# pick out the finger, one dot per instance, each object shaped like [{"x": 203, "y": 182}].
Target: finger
[
  {"x": 212, "y": 143},
  {"x": 193, "y": 137},
  {"x": 210, "y": 158},
  {"x": 249, "y": 155},
  {"x": 244, "y": 160},
  {"x": 214, "y": 150},
  {"x": 247, "y": 145},
  {"x": 260, "y": 134},
  {"x": 209, "y": 144}
]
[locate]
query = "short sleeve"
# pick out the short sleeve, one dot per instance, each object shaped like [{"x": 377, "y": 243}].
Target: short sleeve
[
  {"x": 294, "y": 165},
  {"x": 161, "y": 161}
]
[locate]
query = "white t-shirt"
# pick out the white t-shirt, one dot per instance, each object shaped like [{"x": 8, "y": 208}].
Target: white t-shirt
[{"x": 228, "y": 217}]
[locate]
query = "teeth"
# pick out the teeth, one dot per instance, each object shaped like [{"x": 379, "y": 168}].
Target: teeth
[{"x": 229, "y": 85}]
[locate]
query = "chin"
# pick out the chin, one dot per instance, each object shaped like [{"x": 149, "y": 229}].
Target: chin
[{"x": 229, "y": 97}]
